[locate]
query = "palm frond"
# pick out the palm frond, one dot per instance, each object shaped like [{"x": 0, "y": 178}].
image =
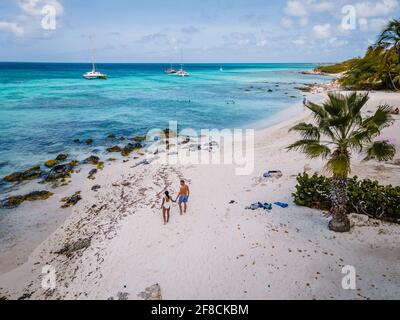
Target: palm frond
[
  {"x": 359, "y": 138},
  {"x": 356, "y": 103},
  {"x": 381, "y": 151},
  {"x": 312, "y": 148},
  {"x": 318, "y": 111},
  {"x": 380, "y": 120},
  {"x": 307, "y": 131},
  {"x": 336, "y": 105}
]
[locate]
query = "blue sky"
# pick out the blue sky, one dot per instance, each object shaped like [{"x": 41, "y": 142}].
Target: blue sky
[{"x": 193, "y": 31}]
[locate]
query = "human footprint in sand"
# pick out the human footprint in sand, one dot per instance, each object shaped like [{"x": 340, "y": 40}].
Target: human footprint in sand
[
  {"x": 166, "y": 207},
  {"x": 183, "y": 197}
]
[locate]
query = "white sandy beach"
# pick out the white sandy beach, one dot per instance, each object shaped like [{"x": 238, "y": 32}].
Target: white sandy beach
[{"x": 218, "y": 250}]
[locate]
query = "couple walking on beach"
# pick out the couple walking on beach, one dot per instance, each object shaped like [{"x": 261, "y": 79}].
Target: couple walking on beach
[{"x": 182, "y": 198}]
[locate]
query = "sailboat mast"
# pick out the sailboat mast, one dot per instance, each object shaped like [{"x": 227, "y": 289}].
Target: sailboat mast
[{"x": 92, "y": 52}]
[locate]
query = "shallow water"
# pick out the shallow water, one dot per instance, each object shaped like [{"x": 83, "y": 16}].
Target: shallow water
[{"x": 44, "y": 107}]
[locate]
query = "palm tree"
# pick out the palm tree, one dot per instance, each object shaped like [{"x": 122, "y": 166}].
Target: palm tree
[
  {"x": 339, "y": 130},
  {"x": 390, "y": 38}
]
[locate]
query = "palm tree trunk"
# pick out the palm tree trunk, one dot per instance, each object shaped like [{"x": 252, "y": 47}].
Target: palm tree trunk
[{"x": 339, "y": 198}]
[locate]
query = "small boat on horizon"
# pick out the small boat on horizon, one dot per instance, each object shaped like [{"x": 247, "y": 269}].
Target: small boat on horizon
[
  {"x": 94, "y": 74},
  {"x": 182, "y": 72},
  {"x": 171, "y": 70}
]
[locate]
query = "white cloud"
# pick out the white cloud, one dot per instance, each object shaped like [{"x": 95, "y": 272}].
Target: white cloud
[
  {"x": 300, "y": 41},
  {"x": 286, "y": 23},
  {"x": 28, "y": 21},
  {"x": 296, "y": 8},
  {"x": 376, "y": 9},
  {"x": 337, "y": 42},
  {"x": 375, "y": 24},
  {"x": 12, "y": 27},
  {"x": 322, "y": 6},
  {"x": 303, "y": 22},
  {"x": 322, "y": 31},
  {"x": 261, "y": 43},
  {"x": 301, "y": 8},
  {"x": 190, "y": 30},
  {"x": 34, "y": 7}
]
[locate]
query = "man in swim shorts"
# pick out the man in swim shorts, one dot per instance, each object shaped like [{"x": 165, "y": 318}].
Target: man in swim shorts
[{"x": 183, "y": 197}]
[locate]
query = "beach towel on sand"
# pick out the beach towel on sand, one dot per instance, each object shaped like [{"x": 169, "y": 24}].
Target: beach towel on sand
[
  {"x": 273, "y": 173},
  {"x": 259, "y": 205},
  {"x": 281, "y": 204}
]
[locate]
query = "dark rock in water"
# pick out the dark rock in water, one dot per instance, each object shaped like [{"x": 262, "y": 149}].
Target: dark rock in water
[
  {"x": 77, "y": 141},
  {"x": 51, "y": 163},
  {"x": 96, "y": 188},
  {"x": 92, "y": 160},
  {"x": 92, "y": 174},
  {"x": 15, "y": 201},
  {"x": 304, "y": 89},
  {"x": 59, "y": 172},
  {"x": 100, "y": 166},
  {"x": 186, "y": 140},
  {"x": 89, "y": 141},
  {"x": 62, "y": 157},
  {"x": 114, "y": 149},
  {"x": 111, "y": 136},
  {"x": 30, "y": 174},
  {"x": 270, "y": 90},
  {"x": 121, "y": 138},
  {"x": 169, "y": 133},
  {"x": 11, "y": 202},
  {"x": 71, "y": 248},
  {"x": 72, "y": 200},
  {"x": 138, "y": 139},
  {"x": 38, "y": 195},
  {"x": 130, "y": 147},
  {"x": 14, "y": 177},
  {"x": 74, "y": 163}
]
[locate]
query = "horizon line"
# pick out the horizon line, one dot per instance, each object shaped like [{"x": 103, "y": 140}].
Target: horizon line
[{"x": 177, "y": 63}]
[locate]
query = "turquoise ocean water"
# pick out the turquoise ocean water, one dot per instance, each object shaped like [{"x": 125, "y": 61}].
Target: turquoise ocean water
[{"x": 45, "y": 107}]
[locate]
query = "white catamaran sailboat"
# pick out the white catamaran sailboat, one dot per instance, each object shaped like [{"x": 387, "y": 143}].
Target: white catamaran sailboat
[
  {"x": 182, "y": 73},
  {"x": 171, "y": 70},
  {"x": 94, "y": 74}
]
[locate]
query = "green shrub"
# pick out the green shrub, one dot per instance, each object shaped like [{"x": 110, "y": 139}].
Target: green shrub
[
  {"x": 336, "y": 68},
  {"x": 365, "y": 196}
]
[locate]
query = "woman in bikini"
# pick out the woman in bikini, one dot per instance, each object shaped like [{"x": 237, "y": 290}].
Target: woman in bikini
[{"x": 166, "y": 207}]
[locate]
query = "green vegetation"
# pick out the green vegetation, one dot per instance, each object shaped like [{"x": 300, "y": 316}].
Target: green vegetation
[
  {"x": 378, "y": 69},
  {"x": 336, "y": 68},
  {"x": 365, "y": 196},
  {"x": 340, "y": 131}
]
